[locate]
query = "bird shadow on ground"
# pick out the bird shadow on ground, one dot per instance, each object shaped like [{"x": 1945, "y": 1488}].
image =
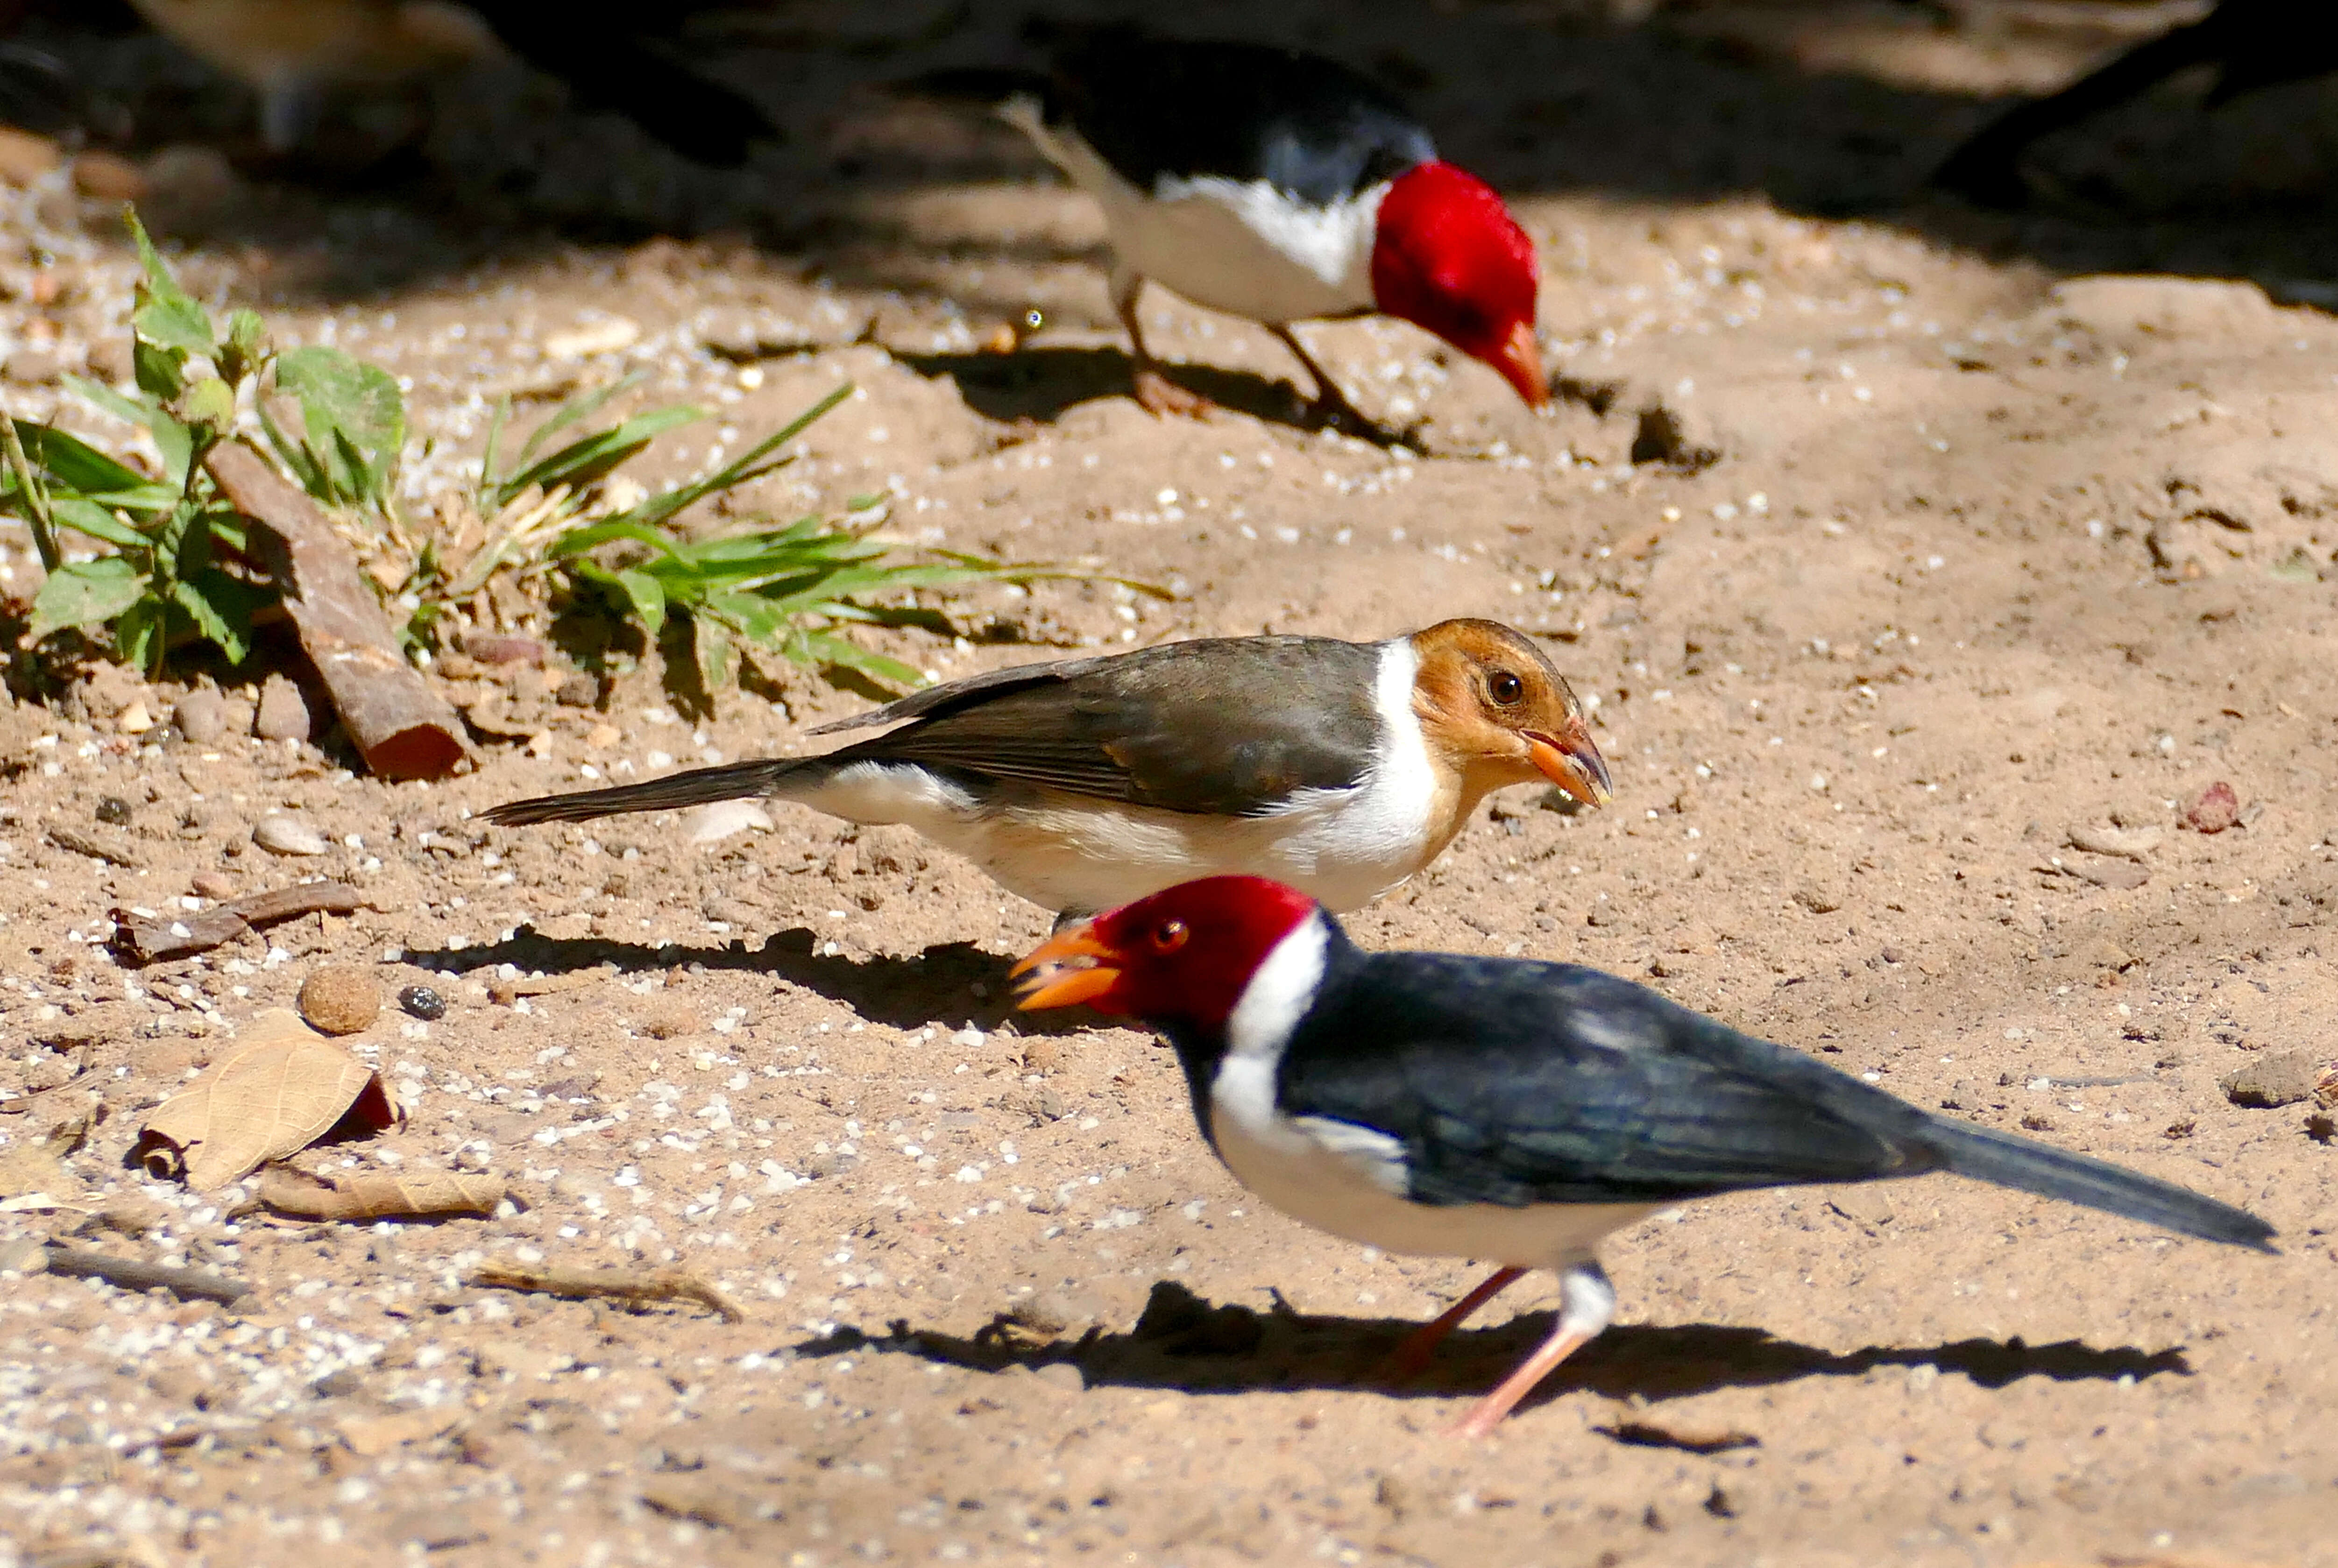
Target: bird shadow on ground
[
  {"x": 1184, "y": 1342},
  {"x": 952, "y": 984},
  {"x": 1044, "y": 384}
]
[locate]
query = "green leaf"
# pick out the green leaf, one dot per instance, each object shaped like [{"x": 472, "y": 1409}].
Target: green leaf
[
  {"x": 172, "y": 439},
  {"x": 85, "y": 594},
  {"x": 823, "y": 648},
  {"x": 574, "y": 411},
  {"x": 710, "y": 647},
  {"x": 141, "y": 636},
  {"x": 306, "y": 472},
  {"x": 577, "y": 541},
  {"x": 86, "y": 517},
  {"x": 739, "y": 470},
  {"x": 160, "y": 372},
  {"x": 352, "y": 413},
  {"x": 245, "y": 348},
  {"x": 210, "y": 402},
  {"x": 165, "y": 314},
  {"x": 74, "y": 463},
  {"x": 644, "y": 592},
  {"x": 593, "y": 457},
  {"x": 222, "y": 608}
]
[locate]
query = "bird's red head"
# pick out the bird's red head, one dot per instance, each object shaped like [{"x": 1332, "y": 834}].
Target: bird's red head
[
  {"x": 1448, "y": 256},
  {"x": 1183, "y": 954}
]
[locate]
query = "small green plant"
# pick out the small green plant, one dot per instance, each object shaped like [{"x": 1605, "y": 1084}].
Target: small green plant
[
  {"x": 555, "y": 523},
  {"x": 779, "y": 589},
  {"x": 179, "y": 571}
]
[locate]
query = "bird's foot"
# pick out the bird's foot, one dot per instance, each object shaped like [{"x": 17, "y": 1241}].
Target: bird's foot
[{"x": 1156, "y": 394}]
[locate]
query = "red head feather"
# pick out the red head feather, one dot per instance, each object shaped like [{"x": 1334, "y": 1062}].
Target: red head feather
[
  {"x": 1182, "y": 954},
  {"x": 1448, "y": 256}
]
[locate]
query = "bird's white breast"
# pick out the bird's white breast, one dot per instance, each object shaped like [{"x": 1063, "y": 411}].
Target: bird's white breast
[{"x": 1238, "y": 246}]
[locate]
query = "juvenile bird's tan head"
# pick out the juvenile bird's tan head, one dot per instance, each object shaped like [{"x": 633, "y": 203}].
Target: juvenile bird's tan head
[{"x": 1496, "y": 711}]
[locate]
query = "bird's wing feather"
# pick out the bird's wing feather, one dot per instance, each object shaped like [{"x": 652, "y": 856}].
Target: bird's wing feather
[
  {"x": 1161, "y": 108},
  {"x": 1222, "y": 727},
  {"x": 1573, "y": 1087}
]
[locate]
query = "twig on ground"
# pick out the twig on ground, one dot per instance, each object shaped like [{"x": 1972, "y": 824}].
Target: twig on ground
[
  {"x": 130, "y": 1274},
  {"x": 150, "y": 941},
  {"x": 608, "y": 1284}
]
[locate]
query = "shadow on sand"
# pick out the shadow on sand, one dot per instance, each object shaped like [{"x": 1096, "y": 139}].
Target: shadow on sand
[
  {"x": 953, "y": 985},
  {"x": 1184, "y": 1342}
]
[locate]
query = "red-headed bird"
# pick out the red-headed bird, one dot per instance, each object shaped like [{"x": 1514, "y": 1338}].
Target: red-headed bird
[
  {"x": 1273, "y": 185},
  {"x": 1508, "y": 1110}
]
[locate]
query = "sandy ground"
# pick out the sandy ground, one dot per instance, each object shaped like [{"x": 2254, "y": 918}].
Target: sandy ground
[{"x": 1979, "y": 563}]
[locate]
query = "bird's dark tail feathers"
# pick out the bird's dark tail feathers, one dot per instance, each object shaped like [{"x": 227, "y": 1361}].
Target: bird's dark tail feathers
[
  {"x": 1988, "y": 1156},
  {"x": 699, "y": 786}
]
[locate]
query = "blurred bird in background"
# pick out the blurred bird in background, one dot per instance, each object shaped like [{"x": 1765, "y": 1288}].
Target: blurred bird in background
[
  {"x": 2249, "y": 44},
  {"x": 295, "y": 54}
]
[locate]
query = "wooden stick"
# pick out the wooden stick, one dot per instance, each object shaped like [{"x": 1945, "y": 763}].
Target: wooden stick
[
  {"x": 609, "y": 1284},
  {"x": 150, "y": 941},
  {"x": 130, "y": 1274},
  {"x": 402, "y": 727}
]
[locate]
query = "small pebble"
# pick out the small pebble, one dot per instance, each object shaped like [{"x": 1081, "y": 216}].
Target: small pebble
[
  {"x": 200, "y": 718},
  {"x": 2213, "y": 809},
  {"x": 212, "y": 885},
  {"x": 283, "y": 715},
  {"x": 339, "y": 1384},
  {"x": 287, "y": 835},
  {"x": 2278, "y": 1078},
  {"x": 423, "y": 1003},
  {"x": 134, "y": 719},
  {"x": 340, "y": 999},
  {"x": 666, "y": 1018},
  {"x": 2134, "y": 843},
  {"x": 113, "y": 809}
]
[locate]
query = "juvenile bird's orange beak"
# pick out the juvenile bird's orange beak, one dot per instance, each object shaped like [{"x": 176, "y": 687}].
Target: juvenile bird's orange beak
[
  {"x": 1054, "y": 980},
  {"x": 1573, "y": 763},
  {"x": 1519, "y": 361}
]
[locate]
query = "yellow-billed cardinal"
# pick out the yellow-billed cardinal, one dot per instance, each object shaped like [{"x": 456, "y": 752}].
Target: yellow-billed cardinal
[
  {"x": 1504, "y": 1109},
  {"x": 1273, "y": 185},
  {"x": 1341, "y": 767}
]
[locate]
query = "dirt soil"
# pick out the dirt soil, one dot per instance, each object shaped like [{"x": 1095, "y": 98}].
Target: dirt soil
[{"x": 1990, "y": 555}]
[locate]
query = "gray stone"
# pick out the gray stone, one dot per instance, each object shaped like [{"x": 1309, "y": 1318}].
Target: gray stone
[
  {"x": 283, "y": 715},
  {"x": 200, "y": 718},
  {"x": 288, "y": 836}
]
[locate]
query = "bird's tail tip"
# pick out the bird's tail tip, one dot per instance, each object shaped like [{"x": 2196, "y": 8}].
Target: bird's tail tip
[{"x": 1988, "y": 1156}]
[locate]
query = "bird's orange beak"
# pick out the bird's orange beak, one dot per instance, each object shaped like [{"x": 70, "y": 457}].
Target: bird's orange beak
[
  {"x": 1573, "y": 763},
  {"x": 1519, "y": 361},
  {"x": 1055, "y": 975}
]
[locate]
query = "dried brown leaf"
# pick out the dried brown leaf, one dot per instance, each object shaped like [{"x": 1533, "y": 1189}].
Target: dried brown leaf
[
  {"x": 276, "y": 1090},
  {"x": 379, "y": 1196}
]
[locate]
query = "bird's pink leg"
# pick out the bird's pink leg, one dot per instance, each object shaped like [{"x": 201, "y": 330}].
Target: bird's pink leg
[
  {"x": 1422, "y": 1342},
  {"x": 1587, "y": 1301},
  {"x": 1155, "y": 393}
]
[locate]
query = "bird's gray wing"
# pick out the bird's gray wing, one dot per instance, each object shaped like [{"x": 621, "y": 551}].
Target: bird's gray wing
[{"x": 1221, "y": 727}]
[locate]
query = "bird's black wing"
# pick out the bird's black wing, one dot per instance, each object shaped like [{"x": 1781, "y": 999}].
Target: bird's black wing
[
  {"x": 1163, "y": 108},
  {"x": 1517, "y": 1083},
  {"x": 1221, "y": 727}
]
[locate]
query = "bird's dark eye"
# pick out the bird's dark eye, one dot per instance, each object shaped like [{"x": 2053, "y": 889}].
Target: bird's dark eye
[
  {"x": 1169, "y": 935},
  {"x": 1504, "y": 688}
]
